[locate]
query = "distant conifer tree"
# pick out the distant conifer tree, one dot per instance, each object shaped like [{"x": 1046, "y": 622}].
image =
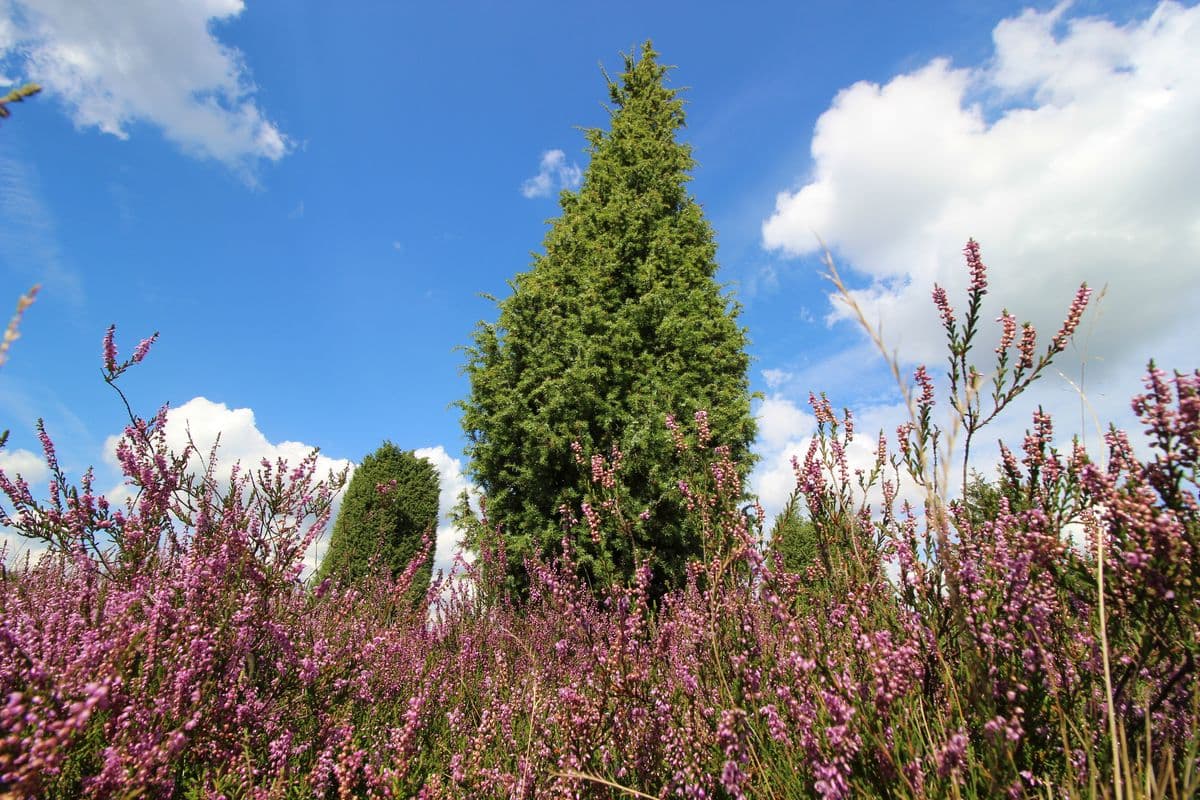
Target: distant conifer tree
[{"x": 391, "y": 502}]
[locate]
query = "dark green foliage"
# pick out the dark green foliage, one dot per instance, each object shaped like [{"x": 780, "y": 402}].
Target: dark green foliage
[
  {"x": 619, "y": 323},
  {"x": 981, "y": 497},
  {"x": 794, "y": 538},
  {"x": 392, "y": 501}
]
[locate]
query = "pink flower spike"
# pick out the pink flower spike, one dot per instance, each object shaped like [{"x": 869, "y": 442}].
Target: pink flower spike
[
  {"x": 943, "y": 305},
  {"x": 1027, "y": 345},
  {"x": 977, "y": 267},
  {"x": 110, "y": 349},
  {"x": 702, "y": 429},
  {"x": 143, "y": 348},
  {"x": 1074, "y": 313},
  {"x": 47, "y": 446},
  {"x": 1009, "y": 331},
  {"x": 926, "y": 383}
]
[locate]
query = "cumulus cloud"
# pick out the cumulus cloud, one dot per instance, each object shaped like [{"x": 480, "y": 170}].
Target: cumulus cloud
[
  {"x": 784, "y": 430},
  {"x": 452, "y": 483},
  {"x": 554, "y": 174},
  {"x": 774, "y": 377},
  {"x": 202, "y": 421},
  {"x": 780, "y": 420},
  {"x": 1069, "y": 156},
  {"x": 116, "y": 64},
  {"x": 27, "y": 464}
]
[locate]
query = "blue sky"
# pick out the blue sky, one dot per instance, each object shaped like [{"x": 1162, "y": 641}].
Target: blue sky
[{"x": 307, "y": 200}]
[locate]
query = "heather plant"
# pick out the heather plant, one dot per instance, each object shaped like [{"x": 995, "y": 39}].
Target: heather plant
[{"x": 957, "y": 650}]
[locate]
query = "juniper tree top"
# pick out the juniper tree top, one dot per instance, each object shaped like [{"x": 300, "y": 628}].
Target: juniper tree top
[{"x": 617, "y": 324}]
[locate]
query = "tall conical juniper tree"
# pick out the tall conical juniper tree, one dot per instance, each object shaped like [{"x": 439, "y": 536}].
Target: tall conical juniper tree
[{"x": 618, "y": 323}]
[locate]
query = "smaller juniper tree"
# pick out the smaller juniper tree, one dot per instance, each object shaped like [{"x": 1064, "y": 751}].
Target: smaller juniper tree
[
  {"x": 391, "y": 502},
  {"x": 794, "y": 538}
]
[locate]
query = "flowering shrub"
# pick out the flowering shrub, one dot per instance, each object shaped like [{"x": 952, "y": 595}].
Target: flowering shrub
[{"x": 170, "y": 648}]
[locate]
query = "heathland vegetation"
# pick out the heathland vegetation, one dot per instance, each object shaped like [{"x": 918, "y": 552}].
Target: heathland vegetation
[{"x": 1036, "y": 637}]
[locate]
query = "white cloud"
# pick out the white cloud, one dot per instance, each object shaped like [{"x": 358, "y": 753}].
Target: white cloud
[
  {"x": 784, "y": 430},
  {"x": 780, "y": 420},
  {"x": 116, "y": 64},
  {"x": 26, "y": 463},
  {"x": 554, "y": 173},
  {"x": 242, "y": 441},
  {"x": 774, "y": 377},
  {"x": 201, "y": 421},
  {"x": 452, "y": 482},
  {"x": 8, "y": 37},
  {"x": 1070, "y": 156}
]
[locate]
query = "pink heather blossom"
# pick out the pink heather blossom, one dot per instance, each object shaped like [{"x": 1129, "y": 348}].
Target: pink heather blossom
[
  {"x": 926, "y": 383},
  {"x": 822, "y": 409},
  {"x": 976, "y": 266},
  {"x": 110, "y": 349},
  {"x": 952, "y": 754},
  {"x": 48, "y": 450},
  {"x": 142, "y": 349},
  {"x": 676, "y": 434},
  {"x": 593, "y": 521},
  {"x": 943, "y": 306},
  {"x": 1074, "y": 314},
  {"x": 1008, "y": 331},
  {"x": 1027, "y": 346}
]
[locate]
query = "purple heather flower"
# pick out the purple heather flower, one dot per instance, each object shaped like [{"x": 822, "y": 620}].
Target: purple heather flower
[
  {"x": 1008, "y": 331},
  {"x": 110, "y": 349},
  {"x": 976, "y": 266},
  {"x": 943, "y": 306}
]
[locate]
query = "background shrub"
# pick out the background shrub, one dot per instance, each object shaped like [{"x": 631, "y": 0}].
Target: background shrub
[{"x": 390, "y": 507}]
